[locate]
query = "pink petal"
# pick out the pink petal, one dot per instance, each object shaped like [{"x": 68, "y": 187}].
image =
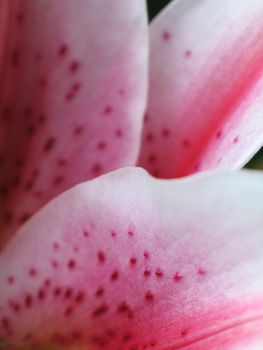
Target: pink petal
[
  {"x": 129, "y": 262},
  {"x": 206, "y": 87},
  {"x": 72, "y": 97}
]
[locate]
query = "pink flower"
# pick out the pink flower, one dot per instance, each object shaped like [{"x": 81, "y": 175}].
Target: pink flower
[{"x": 127, "y": 261}]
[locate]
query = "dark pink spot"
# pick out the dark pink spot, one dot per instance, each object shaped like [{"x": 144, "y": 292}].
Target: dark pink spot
[
  {"x": 79, "y": 297},
  {"x": 20, "y": 17},
  {"x": 123, "y": 307},
  {"x": 130, "y": 233},
  {"x": 28, "y": 300},
  {"x": 96, "y": 169},
  {"x": 99, "y": 292},
  {"x": 10, "y": 279},
  {"x": 146, "y": 254},
  {"x": 196, "y": 166},
  {"x": 166, "y": 36},
  {"x": 108, "y": 110},
  {"x": 41, "y": 294},
  {"x": 149, "y": 137},
  {"x": 152, "y": 158},
  {"x": 133, "y": 261},
  {"x": 49, "y": 144},
  {"x": 159, "y": 273},
  {"x": 236, "y": 139},
  {"x": 32, "y": 272},
  {"x": 147, "y": 272},
  {"x": 68, "y": 311},
  {"x": 56, "y": 246},
  {"x": 68, "y": 293},
  {"x": 127, "y": 337},
  {"x": 58, "y": 180},
  {"x": 47, "y": 282},
  {"x": 113, "y": 234},
  {"x": 219, "y": 134},
  {"x": 62, "y": 162},
  {"x": 76, "y": 87},
  {"x": 184, "y": 332},
  {"x": 166, "y": 133},
  {"x": 54, "y": 263},
  {"x": 146, "y": 118},
  {"x": 114, "y": 276},
  {"x": 101, "y": 256},
  {"x": 119, "y": 132},
  {"x": 74, "y": 66},
  {"x": 102, "y": 309},
  {"x": 201, "y": 271},
  {"x": 63, "y": 50},
  {"x": 121, "y": 92},
  {"x": 78, "y": 130},
  {"x": 15, "y": 306},
  {"x": 5, "y": 323},
  {"x": 101, "y": 145},
  {"x": 71, "y": 264},
  {"x": 41, "y": 119},
  {"x": 85, "y": 233},
  {"x": 188, "y": 53},
  {"x": 178, "y": 277},
  {"x": 57, "y": 291},
  {"x": 149, "y": 296}
]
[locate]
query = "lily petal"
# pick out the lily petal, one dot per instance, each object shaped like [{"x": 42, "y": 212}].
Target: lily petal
[
  {"x": 126, "y": 261},
  {"x": 73, "y": 96},
  {"x": 206, "y": 87}
]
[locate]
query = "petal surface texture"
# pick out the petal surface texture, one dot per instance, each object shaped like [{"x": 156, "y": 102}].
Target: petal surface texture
[
  {"x": 72, "y": 97},
  {"x": 126, "y": 262},
  {"x": 206, "y": 87}
]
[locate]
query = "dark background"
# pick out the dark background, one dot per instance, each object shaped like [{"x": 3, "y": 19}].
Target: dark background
[{"x": 155, "y": 6}]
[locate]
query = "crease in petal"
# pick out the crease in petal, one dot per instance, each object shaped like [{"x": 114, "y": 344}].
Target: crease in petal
[
  {"x": 72, "y": 99},
  {"x": 126, "y": 261},
  {"x": 205, "y": 94}
]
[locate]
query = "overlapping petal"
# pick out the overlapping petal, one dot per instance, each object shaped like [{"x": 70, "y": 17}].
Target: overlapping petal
[
  {"x": 72, "y": 97},
  {"x": 126, "y": 261},
  {"x": 206, "y": 87}
]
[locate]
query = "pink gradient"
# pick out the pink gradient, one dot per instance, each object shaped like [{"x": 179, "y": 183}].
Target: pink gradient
[
  {"x": 72, "y": 97},
  {"x": 129, "y": 262},
  {"x": 205, "y": 99}
]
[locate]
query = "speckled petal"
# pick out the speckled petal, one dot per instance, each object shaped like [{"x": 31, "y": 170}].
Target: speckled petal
[
  {"x": 72, "y": 98},
  {"x": 126, "y": 261},
  {"x": 206, "y": 87}
]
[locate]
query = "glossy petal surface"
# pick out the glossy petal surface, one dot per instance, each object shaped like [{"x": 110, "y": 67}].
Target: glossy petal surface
[
  {"x": 72, "y": 98},
  {"x": 129, "y": 262},
  {"x": 206, "y": 87}
]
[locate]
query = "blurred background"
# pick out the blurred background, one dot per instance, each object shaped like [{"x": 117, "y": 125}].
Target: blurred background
[{"x": 154, "y": 7}]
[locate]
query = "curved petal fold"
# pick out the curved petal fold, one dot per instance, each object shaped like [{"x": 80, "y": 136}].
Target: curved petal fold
[
  {"x": 206, "y": 87},
  {"x": 126, "y": 261},
  {"x": 72, "y": 97}
]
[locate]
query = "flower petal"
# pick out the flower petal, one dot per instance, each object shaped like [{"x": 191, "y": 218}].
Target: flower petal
[
  {"x": 206, "y": 87},
  {"x": 73, "y": 96},
  {"x": 129, "y": 262}
]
